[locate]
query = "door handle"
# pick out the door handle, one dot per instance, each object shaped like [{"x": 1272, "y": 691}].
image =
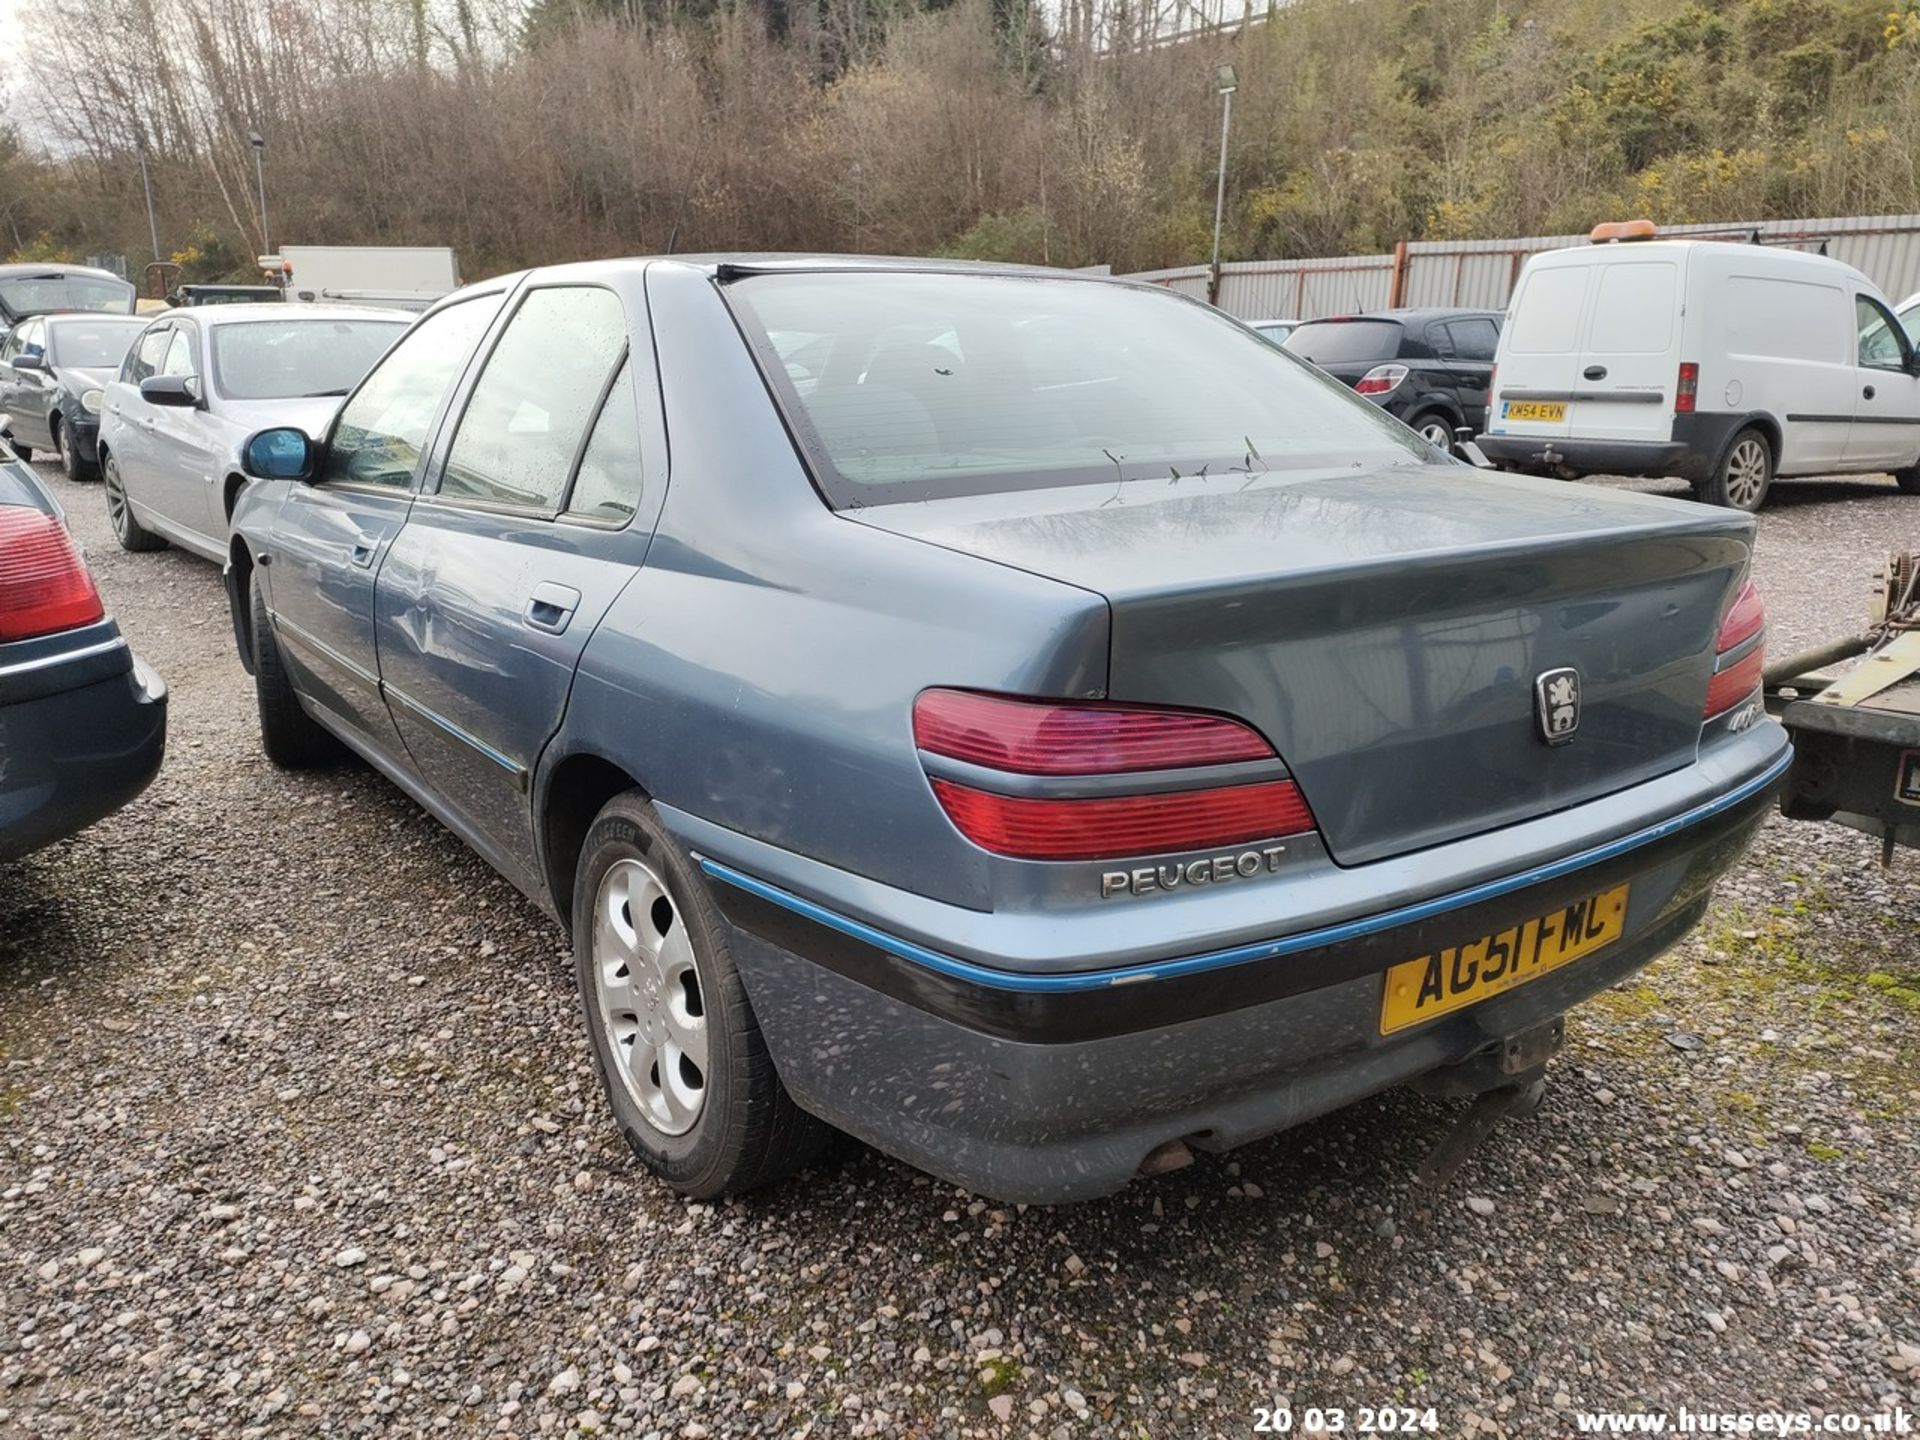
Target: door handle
[
  {"x": 551, "y": 606},
  {"x": 1595, "y": 372},
  {"x": 363, "y": 549},
  {"x": 1868, "y": 392}
]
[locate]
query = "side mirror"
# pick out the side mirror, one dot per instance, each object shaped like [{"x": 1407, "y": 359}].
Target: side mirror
[
  {"x": 182, "y": 391},
  {"x": 283, "y": 454},
  {"x": 27, "y": 360}
]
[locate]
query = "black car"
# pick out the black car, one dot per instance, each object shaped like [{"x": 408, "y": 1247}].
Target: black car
[
  {"x": 183, "y": 296},
  {"x": 27, "y": 290},
  {"x": 83, "y": 723},
  {"x": 1430, "y": 368},
  {"x": 54, "y": 370}
]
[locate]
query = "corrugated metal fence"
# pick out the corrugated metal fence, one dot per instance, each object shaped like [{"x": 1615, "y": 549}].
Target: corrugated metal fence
[{"x": 1480, "y": 273}]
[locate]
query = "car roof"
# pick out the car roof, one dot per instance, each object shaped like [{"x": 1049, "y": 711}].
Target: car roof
[
  {"x": 91, "y": 317},
  {"x": 1410, "y": 314},
  {"x": 8, "y": 272},
  {"x": 1679, "y": 246},
  {"x": 282, "y": 310}
]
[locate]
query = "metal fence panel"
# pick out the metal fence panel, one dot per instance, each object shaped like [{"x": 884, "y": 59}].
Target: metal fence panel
[{"x": 1480, "y": 273}]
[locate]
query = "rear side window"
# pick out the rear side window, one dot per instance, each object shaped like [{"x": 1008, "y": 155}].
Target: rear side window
[
  {"x": 1774, "y": 319},
  {"x": 915, "y": 386},
  {"x": 528, "y": 414},
  {"x": 1335, "y": 342},
  {"x": 1546, "y": 318},
  {"x": 608, "y": 485},
  {"x": 1633, "y": 309},
  {"x": 381, "y": 430},
  {"x": 1473, "y": 339}
]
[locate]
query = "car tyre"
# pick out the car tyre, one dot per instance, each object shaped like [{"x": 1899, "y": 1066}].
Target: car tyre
[
  {"x": 292, "y": 738},
  {"x": 127, "y": 528},
  {"x": 1435, "y": 429},
  {"x": 674, "y": 1037},
  {"x": 71, "y": 464},
  {"x": 1908, "y": 480},
  {"x": 1744, "y": 475},
  {"x": 25, "y": 452}
]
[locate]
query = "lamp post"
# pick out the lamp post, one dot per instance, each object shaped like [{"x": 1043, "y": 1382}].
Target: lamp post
[
  {"x": 259, "y": 145},
  {"x": 1226, "y": 81},
  {"x": 146, "y": 183}
]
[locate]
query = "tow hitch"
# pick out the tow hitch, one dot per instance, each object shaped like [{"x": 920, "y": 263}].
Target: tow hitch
[{"x": 1508, "y": 1079}]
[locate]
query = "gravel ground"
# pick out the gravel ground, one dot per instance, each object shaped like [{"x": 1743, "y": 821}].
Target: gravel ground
[{"x": 298, "y": 1135}]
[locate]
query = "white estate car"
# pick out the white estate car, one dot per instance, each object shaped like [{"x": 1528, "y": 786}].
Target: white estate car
[{"x": 1724, "y": 364}]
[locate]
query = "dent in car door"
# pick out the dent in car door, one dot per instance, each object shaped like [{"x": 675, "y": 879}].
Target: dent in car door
[
  {"x": 504, "y": 571},
  {"x": 329, "y": 538}
]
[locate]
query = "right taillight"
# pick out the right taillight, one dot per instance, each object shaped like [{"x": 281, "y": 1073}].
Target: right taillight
[
  {"x": 1739, "y": 653},
  {"x": 44, "y": 584},
  {"x": 1686, "y": 389},
  {"x": 1021, "y": 737},
  {"x": 1381, "y": 380}
]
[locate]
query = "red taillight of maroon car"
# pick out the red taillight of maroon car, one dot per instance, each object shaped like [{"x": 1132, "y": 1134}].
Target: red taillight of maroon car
[
  {"x": 1737, "y": 665},
  {"x": 1047, "y": 738},
  {"x": 44, "y": 584}
]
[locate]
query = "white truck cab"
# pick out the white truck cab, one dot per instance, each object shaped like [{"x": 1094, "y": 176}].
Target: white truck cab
[{"x": 1721, "y": 363}]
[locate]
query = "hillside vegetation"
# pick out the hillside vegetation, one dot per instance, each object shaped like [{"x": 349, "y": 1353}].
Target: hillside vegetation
[{"x": 592, "y": 127}]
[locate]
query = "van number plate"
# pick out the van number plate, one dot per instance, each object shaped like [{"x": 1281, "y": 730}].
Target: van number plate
[{"x": 1533, "y": 410}]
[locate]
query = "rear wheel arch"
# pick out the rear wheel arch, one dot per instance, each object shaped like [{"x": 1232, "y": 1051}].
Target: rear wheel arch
[{"x": 573, "y": 796}]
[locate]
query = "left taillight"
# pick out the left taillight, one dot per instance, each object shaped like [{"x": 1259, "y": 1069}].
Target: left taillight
[
  {"x": 1031, "y": 739},
  {"x": 1739, "y": 652},
  {"x": 44, "y": 584},
  {"x": 1381, "y": 380}
]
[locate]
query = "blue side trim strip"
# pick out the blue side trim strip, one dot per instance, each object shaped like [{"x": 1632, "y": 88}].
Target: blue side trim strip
[{"x": 1243, "y": 954}]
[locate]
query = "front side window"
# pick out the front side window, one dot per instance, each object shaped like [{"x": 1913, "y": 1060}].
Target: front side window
[
  {"x": 92, "y": 345},
  {"x": 382, "y": 429},
  {"x": 1880, "y": 336},
  {"x": 32, "y": 338},
  {"x": 179, "y": 358},
  {"x": 145, "y": 360},
  {"x": 530, "y": 410},
  {"x": 924, "y": 385},
  {"x": 305, "y": 358}
]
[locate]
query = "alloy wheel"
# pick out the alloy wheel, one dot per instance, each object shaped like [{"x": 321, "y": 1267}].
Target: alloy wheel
[
  {"x": 649, "y": 1000},
  {"x": 1438, "y": 433},
  {"x": 1747, "y": 473},
  {"x": 116, "y": 501}
]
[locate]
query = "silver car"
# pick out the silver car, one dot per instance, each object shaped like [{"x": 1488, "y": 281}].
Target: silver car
[{"x": 196, "y": 384}]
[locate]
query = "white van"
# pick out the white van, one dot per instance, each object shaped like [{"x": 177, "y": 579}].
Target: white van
[{"x": 1720, "y": 363}]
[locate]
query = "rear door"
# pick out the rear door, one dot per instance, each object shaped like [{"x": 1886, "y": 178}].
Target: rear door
[
  {"x": 1471, "y": 343},
  {"x": 515, "y": 552},
  {"x": 1629, "y": 361},
  {"x": 1540, "y": 352},
  {"x": 1886, "y": 416},
  {"x": 331, "y": 536}
]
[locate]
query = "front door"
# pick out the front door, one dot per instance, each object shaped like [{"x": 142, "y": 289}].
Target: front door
[
  {"x": 509, "y": 562},
  {"x": 175, "y": 475},
  {"x": 1886, "y": 412},
  {"x": 330, "y": 537},
  {"x": 128, "y": 424}
]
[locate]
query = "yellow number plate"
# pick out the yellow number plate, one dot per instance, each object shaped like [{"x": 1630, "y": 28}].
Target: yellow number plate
[
  {"x": 1533, "y": 410},
  {"x": 1462, "y": 975}
]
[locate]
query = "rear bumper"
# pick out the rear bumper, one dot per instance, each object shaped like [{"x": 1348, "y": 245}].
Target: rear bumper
[
  {"x": 1553, "y": 455},
  {"x": 76, "y": 754},
  {"x": 1051, "y": 1087}
]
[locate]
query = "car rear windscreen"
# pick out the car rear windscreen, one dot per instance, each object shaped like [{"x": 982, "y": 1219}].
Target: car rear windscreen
[
  {"x": 1335, "y": 342},
  {"x": 907, "y": 386},
  {"x": 282, "y": 359},
  {"x": 93, "y": 345},
  {"x": 43, "y": 294}
]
